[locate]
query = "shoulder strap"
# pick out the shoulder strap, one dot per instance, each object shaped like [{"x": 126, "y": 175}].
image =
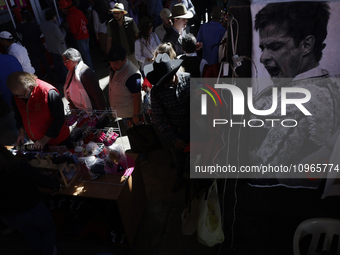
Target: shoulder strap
[{"x": 69, "y": 82}]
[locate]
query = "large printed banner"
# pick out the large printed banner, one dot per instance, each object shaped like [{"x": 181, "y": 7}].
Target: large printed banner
[
  {"x": 330, "y": 53},
  {"x": 280, "y": 127}
]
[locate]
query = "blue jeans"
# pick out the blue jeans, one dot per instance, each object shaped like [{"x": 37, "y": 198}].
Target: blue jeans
[
  {"x": 84, "y": 49},
  {"x": 37, "y": 226}
]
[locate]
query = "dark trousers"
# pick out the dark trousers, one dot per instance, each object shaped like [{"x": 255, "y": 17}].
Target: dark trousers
[
  {"x": 59, "y": 67},
  {"x": 180, "y": 157},
  {"x": 37, "y": 56}
]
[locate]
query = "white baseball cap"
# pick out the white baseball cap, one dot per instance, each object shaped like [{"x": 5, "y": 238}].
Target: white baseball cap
[{"x": 6, "y": 35}]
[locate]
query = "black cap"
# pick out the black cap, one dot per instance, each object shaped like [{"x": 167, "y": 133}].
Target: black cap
[{"x": 116, "y": 53}]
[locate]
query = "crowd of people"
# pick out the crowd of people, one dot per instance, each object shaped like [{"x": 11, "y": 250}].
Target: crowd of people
[
  {"x": 129, "y": 41},
  {"x": 81, "y": 24},
  {"x": 143, "y": 51}
]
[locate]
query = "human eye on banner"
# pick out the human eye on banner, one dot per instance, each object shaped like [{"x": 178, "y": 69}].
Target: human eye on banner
[{"x": 294, "y": 111}]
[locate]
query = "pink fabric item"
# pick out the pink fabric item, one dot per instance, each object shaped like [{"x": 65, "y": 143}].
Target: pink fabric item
[{"x": 129, "y": 167}]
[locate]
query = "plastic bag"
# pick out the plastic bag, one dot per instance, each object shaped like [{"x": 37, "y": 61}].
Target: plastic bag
[
  {"x": 116, "y": 153},
  {"x": 190, "y": 216},
  {"x": 209, "y": 226},
  {"x": 95, "y": 166}
]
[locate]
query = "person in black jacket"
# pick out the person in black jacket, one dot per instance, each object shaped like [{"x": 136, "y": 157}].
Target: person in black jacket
[
  {"x": 123, "y": 31},
  {"x": 192, "y": 63},
  {"x": 174, "y": 35},
  {"x": 20, "y": 202}
]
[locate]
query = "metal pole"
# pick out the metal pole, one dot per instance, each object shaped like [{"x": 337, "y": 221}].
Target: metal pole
[{"x": 10, "y": 14}]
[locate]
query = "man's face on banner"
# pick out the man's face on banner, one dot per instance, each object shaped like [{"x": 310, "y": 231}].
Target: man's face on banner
[{"x": 279, "y": 55}]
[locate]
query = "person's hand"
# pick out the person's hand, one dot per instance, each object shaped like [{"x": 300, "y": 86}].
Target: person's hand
[
  {"x": 180, "y": 144},
  {"x": 21, "y": 137},
  {"x": 97, "y": 37},
  {"x": 199, "y": 46},
  {"x": 40, "y": 144}
]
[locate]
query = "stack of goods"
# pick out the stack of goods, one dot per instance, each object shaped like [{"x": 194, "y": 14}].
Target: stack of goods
[{"x": 96, "y": 119}]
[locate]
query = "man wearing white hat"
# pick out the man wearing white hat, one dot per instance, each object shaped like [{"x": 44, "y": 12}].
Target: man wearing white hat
[
  {"x": 123, "y": 31},
  {"x": 161, "y": 30},
  {"x": 17, "y": 51},
  {"x": 180, "y": 17}
]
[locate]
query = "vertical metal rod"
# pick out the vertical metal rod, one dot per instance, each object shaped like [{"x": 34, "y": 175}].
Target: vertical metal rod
[{"x": 10, "y": 14}]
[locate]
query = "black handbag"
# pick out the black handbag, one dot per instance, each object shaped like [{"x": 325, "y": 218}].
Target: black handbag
[
  {"x": 4, "y": 107},
  {"x": 143, "y": 138}
]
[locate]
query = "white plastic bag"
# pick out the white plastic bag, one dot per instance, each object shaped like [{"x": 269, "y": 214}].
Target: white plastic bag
[
  {"x": 190, "y": 216},
  {"x": 209, "y": 226}
]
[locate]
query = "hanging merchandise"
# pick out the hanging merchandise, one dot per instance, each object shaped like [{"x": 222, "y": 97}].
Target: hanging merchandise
[
  {"x": 71, "y": 119},
  {"x": 209, "y": 226},
  {"x": 93, "y": 120},
  {"x": 89, "y": 126}
]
